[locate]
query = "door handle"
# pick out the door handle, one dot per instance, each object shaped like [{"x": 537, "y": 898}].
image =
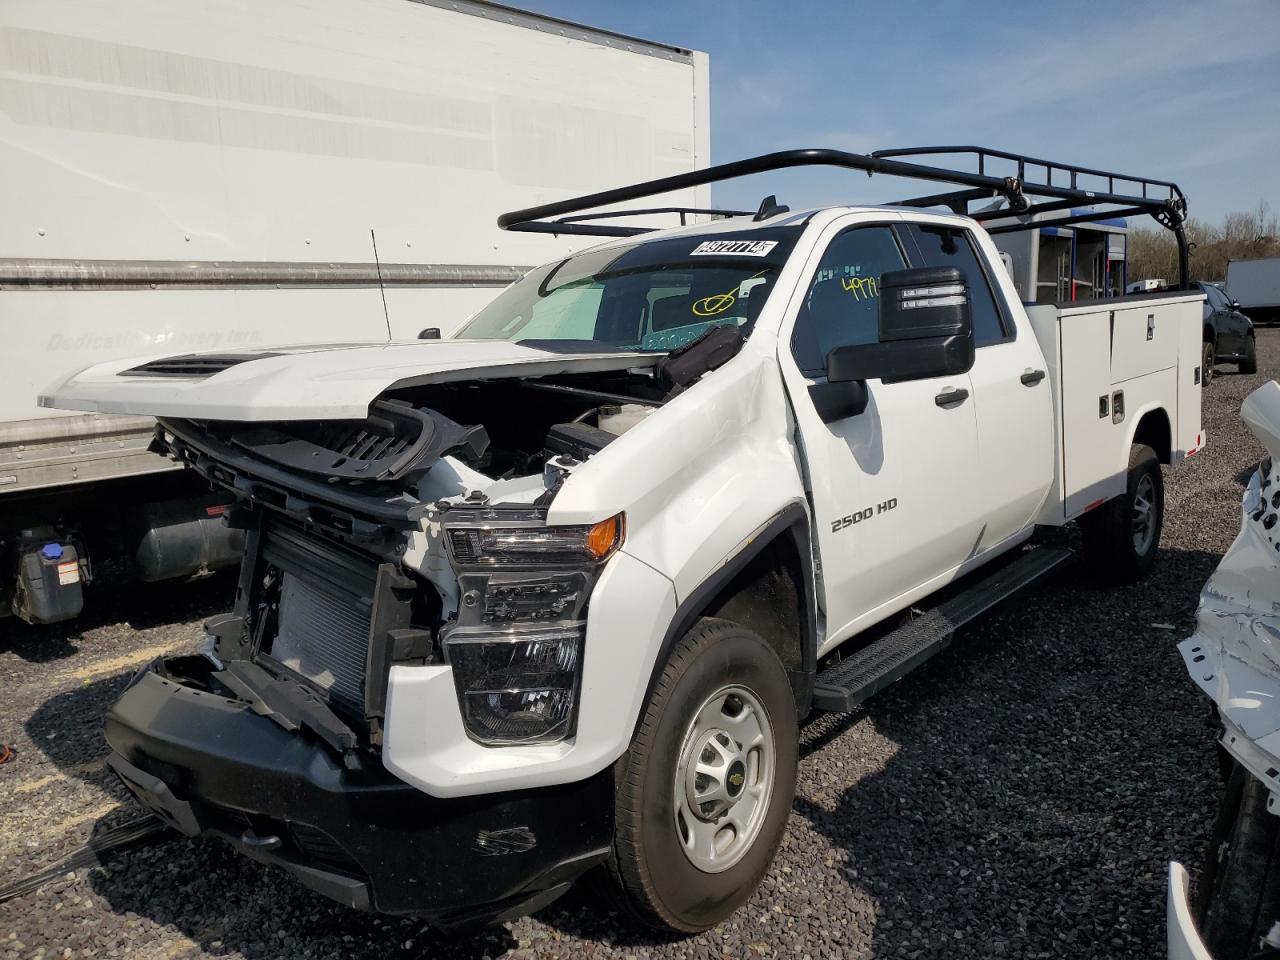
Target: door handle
[
  {"x": 951, "y": 398},
  {"x": 1032, "y": 377}
]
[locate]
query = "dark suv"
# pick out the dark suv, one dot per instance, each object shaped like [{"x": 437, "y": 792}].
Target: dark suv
[{"x": 1228, "y": 333}]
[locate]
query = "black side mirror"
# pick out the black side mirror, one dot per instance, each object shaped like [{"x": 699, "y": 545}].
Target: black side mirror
[
  {"x": 922, "y": 303},
  {"x": 839, "y": 399},
  {"x": 430, "y": 333},
  {"x": 925, "y": 330},
  {"x": 1235, "y": 304}
]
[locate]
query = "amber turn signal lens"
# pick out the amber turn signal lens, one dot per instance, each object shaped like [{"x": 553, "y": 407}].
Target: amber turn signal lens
[{"x": 606, "y": 536}]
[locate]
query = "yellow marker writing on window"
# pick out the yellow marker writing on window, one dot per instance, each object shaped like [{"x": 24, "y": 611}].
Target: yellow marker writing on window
[
  {"x": 716, "y": 303},
  {"x": 719, "y": 302},
  {"x": 862, "y": 288}
]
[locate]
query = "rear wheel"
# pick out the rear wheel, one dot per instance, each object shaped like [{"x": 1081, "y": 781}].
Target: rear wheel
[
  {"x": 1250, "y": 362},
  {"x": 1121, "y": 537},
  {"x": 704, "y": 792},
  {"x": 1206, "y": 363}
]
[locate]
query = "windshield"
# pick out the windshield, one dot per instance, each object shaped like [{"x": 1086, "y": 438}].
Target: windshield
[
  {"x": 1217, "y": 299},
  {"x": 649, "y": 296}
]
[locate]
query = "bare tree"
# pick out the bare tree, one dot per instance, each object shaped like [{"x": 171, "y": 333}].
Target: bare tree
[{"x": 1153, "y": 252}]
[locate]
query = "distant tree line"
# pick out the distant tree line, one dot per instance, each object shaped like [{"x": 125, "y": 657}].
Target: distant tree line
[{"x": 1153, "y": 252}]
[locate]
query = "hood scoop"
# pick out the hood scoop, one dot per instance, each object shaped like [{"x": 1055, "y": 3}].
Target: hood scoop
[{"x": 192, "y": 365}]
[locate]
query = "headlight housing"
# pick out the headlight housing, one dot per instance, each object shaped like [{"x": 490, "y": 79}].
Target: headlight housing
[
  {"x": 516, "y": 647},
  {"x": 517, "y": 686},
  {"x": 509, "y": 541}
]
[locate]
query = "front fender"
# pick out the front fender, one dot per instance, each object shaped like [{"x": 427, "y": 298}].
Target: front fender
[{"x": 698, "y": 477}]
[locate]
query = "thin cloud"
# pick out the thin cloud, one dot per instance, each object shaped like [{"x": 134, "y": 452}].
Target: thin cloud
[{"x": 1139, "y": 48}]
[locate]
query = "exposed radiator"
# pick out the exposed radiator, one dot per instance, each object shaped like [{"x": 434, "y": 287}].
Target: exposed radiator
[{"x": 326, "y": 607}]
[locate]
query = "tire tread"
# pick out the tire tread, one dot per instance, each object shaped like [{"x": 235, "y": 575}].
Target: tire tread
[
  {"x": 1105, "y": 532},
  {"x": 626, "y": 865}
]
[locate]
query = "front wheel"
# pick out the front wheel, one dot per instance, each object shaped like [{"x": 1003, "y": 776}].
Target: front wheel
[
  {"x": 704, "y": 793},
  {"x": 1206, "y": 363},
  {"x": 1120, "y": 538},
  {"x": 1250, "y": 362}
]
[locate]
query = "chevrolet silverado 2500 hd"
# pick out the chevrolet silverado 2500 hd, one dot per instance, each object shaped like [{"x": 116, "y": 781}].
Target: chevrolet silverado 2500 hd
[{"x": 555, "y": 594}]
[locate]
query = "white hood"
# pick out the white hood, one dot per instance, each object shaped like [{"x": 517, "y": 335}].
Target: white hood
[
  {"x": 311, "y": 383},
  {"x": 1234, "y": 655}
]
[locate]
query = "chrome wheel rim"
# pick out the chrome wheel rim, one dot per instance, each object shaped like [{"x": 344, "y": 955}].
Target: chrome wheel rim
[
  {"x": 1144, "y": 514},
  {"x": 724, "y": 779}
]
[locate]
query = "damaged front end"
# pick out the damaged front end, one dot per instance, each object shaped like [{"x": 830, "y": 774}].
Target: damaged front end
[
  {"x": 418, "y": 537},
  {"x": 408, "y": 538},
  {"x": 207, "y": 763}
]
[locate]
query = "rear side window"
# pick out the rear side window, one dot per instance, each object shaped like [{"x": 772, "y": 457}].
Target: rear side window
[
  {"x": 843, "y": 300},
  {"x": 939, "y": 246}
]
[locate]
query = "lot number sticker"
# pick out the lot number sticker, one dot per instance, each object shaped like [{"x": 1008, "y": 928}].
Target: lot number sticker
[{"x": 733, "y": 248}]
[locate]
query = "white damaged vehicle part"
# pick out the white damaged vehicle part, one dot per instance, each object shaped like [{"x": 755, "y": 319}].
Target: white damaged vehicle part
[{"x": 1234, "y": 657}]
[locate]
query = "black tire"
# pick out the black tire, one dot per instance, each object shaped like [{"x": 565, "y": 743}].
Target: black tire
[
  {"x": 1239, "y": 897},
  {"x": 1107, "y": 532},
  {"x": 1206, "y": 363},
  {"x": 1250, "y": 362},
  {"x": 654, "y": 879}
]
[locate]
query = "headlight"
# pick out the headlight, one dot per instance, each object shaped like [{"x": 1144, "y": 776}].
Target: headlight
[
  {"x": 517, "y": 687},
  {"x": 516, "y": 648},
  {"x": 511, "y": 542}
]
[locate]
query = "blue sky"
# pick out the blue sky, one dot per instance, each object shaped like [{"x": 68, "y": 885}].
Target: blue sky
[{"x": 1173, "y": 90}]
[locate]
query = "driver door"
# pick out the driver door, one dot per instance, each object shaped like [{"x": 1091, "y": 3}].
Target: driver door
[{"x": 893, "y": 487}]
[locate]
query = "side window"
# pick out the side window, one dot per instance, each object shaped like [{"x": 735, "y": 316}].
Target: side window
[
  {"x": 842, "y": 304},
  {"x": 951, "y": 247}
]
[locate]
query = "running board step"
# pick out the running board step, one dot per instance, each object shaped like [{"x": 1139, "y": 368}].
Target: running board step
[{"x": 844, "y": 685}]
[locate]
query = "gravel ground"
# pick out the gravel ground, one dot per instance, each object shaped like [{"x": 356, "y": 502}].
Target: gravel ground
[{"x": 1020, "y": 796}]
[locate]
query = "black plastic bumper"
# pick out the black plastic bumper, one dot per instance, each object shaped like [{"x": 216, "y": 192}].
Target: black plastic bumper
[{"x": 210, "y": 765}]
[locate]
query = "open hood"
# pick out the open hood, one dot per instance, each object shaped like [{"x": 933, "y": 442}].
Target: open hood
[{"x": 307, "y": 383}]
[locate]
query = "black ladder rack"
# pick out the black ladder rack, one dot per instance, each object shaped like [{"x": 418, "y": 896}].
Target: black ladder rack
[{"x": 1035, "y": 186}]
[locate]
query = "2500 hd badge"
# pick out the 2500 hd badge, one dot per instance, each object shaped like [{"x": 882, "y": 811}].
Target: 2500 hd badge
[{"x": 866, "y": 513}]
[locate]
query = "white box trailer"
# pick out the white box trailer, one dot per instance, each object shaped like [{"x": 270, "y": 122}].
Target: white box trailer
[
  {"x": 215, "y": 176},
  {"x": 1255, "y": 285}
]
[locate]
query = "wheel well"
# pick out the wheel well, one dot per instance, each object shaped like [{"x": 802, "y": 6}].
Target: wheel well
[
  {"x": 1209, "y": 335},
  {"x": 767, "y": 588},
  {"x": 767, "y": 596},
  {"x": 1154, "y": 431}
]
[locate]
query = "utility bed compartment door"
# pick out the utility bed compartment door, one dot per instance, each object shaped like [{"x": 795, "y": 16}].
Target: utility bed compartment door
[
  {"x": 1144, "y": 339},
  {"x": 1091, "y": 440},
  {"x": 1189, "y": 431}
]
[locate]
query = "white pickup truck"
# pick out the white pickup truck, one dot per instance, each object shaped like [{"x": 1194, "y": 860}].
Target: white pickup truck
[{"x": 556, "y": 594}]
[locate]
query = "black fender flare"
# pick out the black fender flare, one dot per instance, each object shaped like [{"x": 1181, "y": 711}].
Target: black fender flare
[{"x": 793, "y": 522}]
